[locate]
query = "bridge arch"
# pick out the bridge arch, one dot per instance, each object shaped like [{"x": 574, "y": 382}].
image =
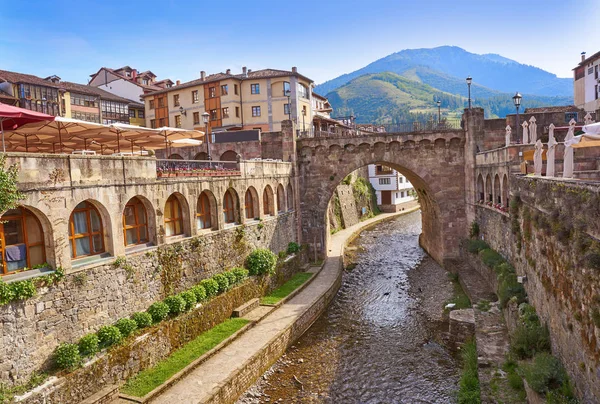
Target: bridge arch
[{"x": 435, "y": 168}]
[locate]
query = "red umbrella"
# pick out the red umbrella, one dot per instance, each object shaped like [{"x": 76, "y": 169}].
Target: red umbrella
[{"x": 14, "y": 117}]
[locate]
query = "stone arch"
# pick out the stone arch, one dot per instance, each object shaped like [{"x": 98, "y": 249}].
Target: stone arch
[
  {"x": 133, "y": 221},
  {"x": 488, "y": 189},
  {"x": 290, "y": 197},
  {"x": 280, "y": 199},
  {"x": 229, "y": 155},
  {"x": 439, "y": 143},
  {"x": 480, "y": 189},
  {"x": 206, "y": 211},
  {"x": 231, "y": 207},
  {"x": 455, "y": 143},
  {"x": 505, "y": 191},
  {"x": 201, "y": 156},
  {"x": 425, "y": 143},
  {"x": 497, "y": 195},
  {"x": 306, "y": 151},
  {"x": 175, "y": 156},
  {"x": 268, "y": 202},
  {"x": 251, "y": 204},
  {"x": 409, "y": 144},
  {"x": 91, "y": 230},
  {"x": 176, "y": 216}
]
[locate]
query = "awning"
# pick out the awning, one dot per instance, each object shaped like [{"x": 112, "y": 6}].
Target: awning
[
  {"x": 591, "y": 138},
  {"x": 15, "y": 117}
]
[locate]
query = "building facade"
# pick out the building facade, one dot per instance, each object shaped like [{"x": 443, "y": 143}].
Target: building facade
[
  {"x": 391, "y": 187},
  {"x": 259, "y": 99},
  {"x": 586, "y": 77}
]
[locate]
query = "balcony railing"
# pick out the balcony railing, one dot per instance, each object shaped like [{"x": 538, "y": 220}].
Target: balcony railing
[{"x": 197, "y": 168}]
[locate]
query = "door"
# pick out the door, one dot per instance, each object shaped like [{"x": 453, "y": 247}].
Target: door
[{"x": 386, "y": 197}]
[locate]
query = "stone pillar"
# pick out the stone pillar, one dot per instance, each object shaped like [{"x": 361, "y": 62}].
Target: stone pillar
[
  {"x": 289, "y": 153},
  {"x": 473, "y": 124}
]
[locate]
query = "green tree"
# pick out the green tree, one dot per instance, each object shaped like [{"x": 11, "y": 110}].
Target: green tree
[{"x": 9, "y": 193}]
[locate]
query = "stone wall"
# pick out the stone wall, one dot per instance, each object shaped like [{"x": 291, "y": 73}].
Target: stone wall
[
  {"x": 552, "y": 238},
  {"x": 98, "y": 295},
  {"x": 347, "y": 204}
]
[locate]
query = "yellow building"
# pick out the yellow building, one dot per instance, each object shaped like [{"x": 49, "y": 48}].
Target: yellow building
[{"x": 259, "y": 99}]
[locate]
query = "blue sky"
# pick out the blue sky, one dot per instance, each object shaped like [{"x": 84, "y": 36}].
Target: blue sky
[{"x": 323, "y": 38}]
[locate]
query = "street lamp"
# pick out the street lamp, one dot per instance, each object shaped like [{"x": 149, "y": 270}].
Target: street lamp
[
  {"x": 439, "y": 103},
  {"x": 182, "y": 111},
  {"x": 288, "y": 94},
  {"x": 517, "y": 102},
  {"x": 303, "y": 115},
  {"x": 206, "y": 134},
  {"x": 469, "y": 80}
]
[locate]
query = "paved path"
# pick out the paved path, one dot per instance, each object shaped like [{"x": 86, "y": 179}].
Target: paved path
[{"x": 201, "y": 383}]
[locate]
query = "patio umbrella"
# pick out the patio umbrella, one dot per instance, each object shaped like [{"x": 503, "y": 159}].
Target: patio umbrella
[
  {"x": 171, "y": 134},
  {"x": 13, "y": 117}
]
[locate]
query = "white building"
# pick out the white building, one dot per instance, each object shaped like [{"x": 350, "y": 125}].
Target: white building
[
  {"x": 587, "y": 82},
  {"x": 392, "y": 188},
  {"x": 127, "y": 82}
]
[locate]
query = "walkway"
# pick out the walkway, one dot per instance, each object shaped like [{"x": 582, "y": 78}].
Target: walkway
[{"x": 204, "y": 383}]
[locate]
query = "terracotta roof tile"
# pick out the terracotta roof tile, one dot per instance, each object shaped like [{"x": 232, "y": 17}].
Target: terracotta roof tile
[{"x": 14, "y": 77}]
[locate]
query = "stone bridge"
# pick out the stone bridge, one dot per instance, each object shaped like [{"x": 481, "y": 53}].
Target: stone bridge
[{"x": 434, "y": 162}]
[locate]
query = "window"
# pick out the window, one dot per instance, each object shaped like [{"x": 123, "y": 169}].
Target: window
[
  {"x": 85, "y": 231},
  {"x": 235, "y": 89},
  {"x": 255, "y": 88},
  {"x": 161, "y": 102},
  {"x": 135, "y": 222},
  {"x": 304, "y": 110},
  {"x": 290, "y": 197},
  {"x": 203, "y": 216},
  {"x": 255, "y": 111},
  {"x": 302, "y": 91},
  {"x": 212, "y": 92},
  {"x": 237, "y": 112},
  {"x": 178, "y": 121},
  {"x": 176, "y": 100},
  {"x": 173, "y": 217},
  {"x": 286, "y": 89},
  {"x": 84, "y": 100},
  {"x": 141, "y": 113},
  {"x": 590, "y": 70},
  {"x": 145, "y": 81},
  {"x": 402, "y": 194},
  {"x": 286, "y": 109},
  {"x": 384, "y": 181},
  {"x": 280, "y": 199},
  {"x": 249, "y": 204},
  {"x": 196, "y": 118},
  {"x": 151, "y": 104},
  {"x": 128, "y": 74},
  {"x": 228, "y": 208},
  {"x": 153, "y": 123},
  {"x": 225, "y": 112},
  {"x": 401, "y": 179},
  {"x": 161, "y": 122},
  {"x": 570, "y": 115},
  {"x": 268, "y": 201},
  {"x": 224, "y": 90},
  {"x": 195, "y": 96},
  {"x": 214, "y": 115},
  {"x": 21, "y": 241},
  {"x": 132, "y": 113}
]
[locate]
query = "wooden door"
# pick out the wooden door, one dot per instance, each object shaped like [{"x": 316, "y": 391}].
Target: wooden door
[{"x": 386, "y": 197}]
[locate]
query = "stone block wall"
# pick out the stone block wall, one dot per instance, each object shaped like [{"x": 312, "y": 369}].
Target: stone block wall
[
  {"x": 95, "y": 296},
  {"x": 347, "y": 204}
]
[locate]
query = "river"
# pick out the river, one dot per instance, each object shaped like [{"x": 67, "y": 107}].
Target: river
[{"x": 378, "y": 340}]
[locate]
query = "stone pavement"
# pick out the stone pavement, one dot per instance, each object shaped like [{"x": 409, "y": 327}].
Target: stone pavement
[{"x": 204, "y": 383}]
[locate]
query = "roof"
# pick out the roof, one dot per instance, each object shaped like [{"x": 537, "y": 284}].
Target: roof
[
  {"x": 589, "y": 60},
  {"x": 149, "y": 87},
  {"x": 14, "y": 77},
  {"x": 319, "y": 96},
  {"x": 251, "y": 75},
  {"x": 91, "y": 90},
  {"x": 562, "y": 108}
]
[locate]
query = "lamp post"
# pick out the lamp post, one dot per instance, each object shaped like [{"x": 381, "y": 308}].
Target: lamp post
[
  {"x": 517, "y": 101},
  {"x": 206, "y": 134},
  {"x": 439, "y": 103},
  {"x": 303, "y": 126},
  {"x": 288, "y": 94},
  {"x": 469, "y": 80}
]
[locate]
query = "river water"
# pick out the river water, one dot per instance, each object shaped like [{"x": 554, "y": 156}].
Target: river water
[{"x": 378, "y": 340}]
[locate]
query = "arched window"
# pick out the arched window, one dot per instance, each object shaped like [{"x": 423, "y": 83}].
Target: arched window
[
  {"x": 229, "y": 155},
  {"x": 249, "y": 204},
  {"x": 86, "y": 235},
  {"x": 228, "y": 208},
  {"x": 21, "y": 241},
  {"x": 505, "y": 187},
  {"x": 173, "y": 217},
  {"x": 203, "y": 217},
  {"x": 280, "y": 199},
  {"x": 480, "y": 189},
  {"x": 290, "y": 197},
  {"x": 201, "y": 156},
  {"x": 488, "y": 189},
  {"x": 268, "y": 201},
  {"x": 135, "y": 222},
  {"x": 497, "y": 196},
  {"x": 175, "y": 156}
]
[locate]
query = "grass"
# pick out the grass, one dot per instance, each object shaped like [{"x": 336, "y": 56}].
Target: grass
[
  {"x": 469, "y": 392},
  {"x": 460, "y": 299},
  {"x": 287, "y": 288},
  {"x": 149, "y": 379}
]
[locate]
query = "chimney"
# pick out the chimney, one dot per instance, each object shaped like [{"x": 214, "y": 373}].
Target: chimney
[
  {"x": 294, "y": 69},
  {"x": 249, "y": 71},
  {"x": 178, "y": 82},
  {"x": 202, "y": 75},
  {"x": 244, "y": 71},
  {"x": 133, "y": 74},
  {"x": 582, "y": 56},
  {"x": 228, "y": 71}
]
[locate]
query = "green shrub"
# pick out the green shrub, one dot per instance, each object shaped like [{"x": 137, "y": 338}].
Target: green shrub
[
  {"x": 231, "y": 278},
  {"x": 527, "y": 341},
  {"x": 23, "y": 289},
  {"x": 508, "y": 288},
  {"x": 176, "y": 304},
  {"x": 261, "y": 262},
  {"x": 190, "y": 299},
  {"x": 474, "y": 230},
  {"x": 6, "y": 293},
  {"x": 491, "y": 258},
  {"x": 474, "y": 246},
  {"x": 109, "y": 335},
  {"x": 240, "y": 274},
  {"x": 528, "y": 315},
  {"x": 199, "y": 292},
  {"x": 223, "y": 282},
  {"x": 545, "y": 373},
  {"x": 88, "y": 345},
  {"x": 469, "y": 392},
  {"x": 211, "y": 287},
  {"x": 504, "y": 269},
  {"x": 142, "y": 319},
  {"x": 515, "y": 381},
  {"x": 126, "y": 326},
  {"x": 67, "y": 356},
  {"x": 293, "y": 248},
  {"x": 159, "y": 311}
]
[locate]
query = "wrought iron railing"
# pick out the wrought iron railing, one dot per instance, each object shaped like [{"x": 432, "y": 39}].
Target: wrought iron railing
[{"x": 196, "y": 168}]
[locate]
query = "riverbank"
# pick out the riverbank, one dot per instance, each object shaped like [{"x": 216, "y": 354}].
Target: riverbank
[{"x": 229, "y": 372}]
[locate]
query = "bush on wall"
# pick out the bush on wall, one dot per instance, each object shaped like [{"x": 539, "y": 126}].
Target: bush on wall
[{"x": 261, "y": 262}]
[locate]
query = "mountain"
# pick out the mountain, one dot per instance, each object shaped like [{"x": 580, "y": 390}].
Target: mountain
[
  {"x": 392, "y": 98},
  {"x": 491, "y": 71}
]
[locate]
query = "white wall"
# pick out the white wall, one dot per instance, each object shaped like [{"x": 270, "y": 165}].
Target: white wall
[
  {"x": 124, "y": 88},
  {"x": 399, "y": 185}
]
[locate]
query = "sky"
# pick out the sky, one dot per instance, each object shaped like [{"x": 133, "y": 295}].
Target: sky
[{"x": 324, "y": 39}]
